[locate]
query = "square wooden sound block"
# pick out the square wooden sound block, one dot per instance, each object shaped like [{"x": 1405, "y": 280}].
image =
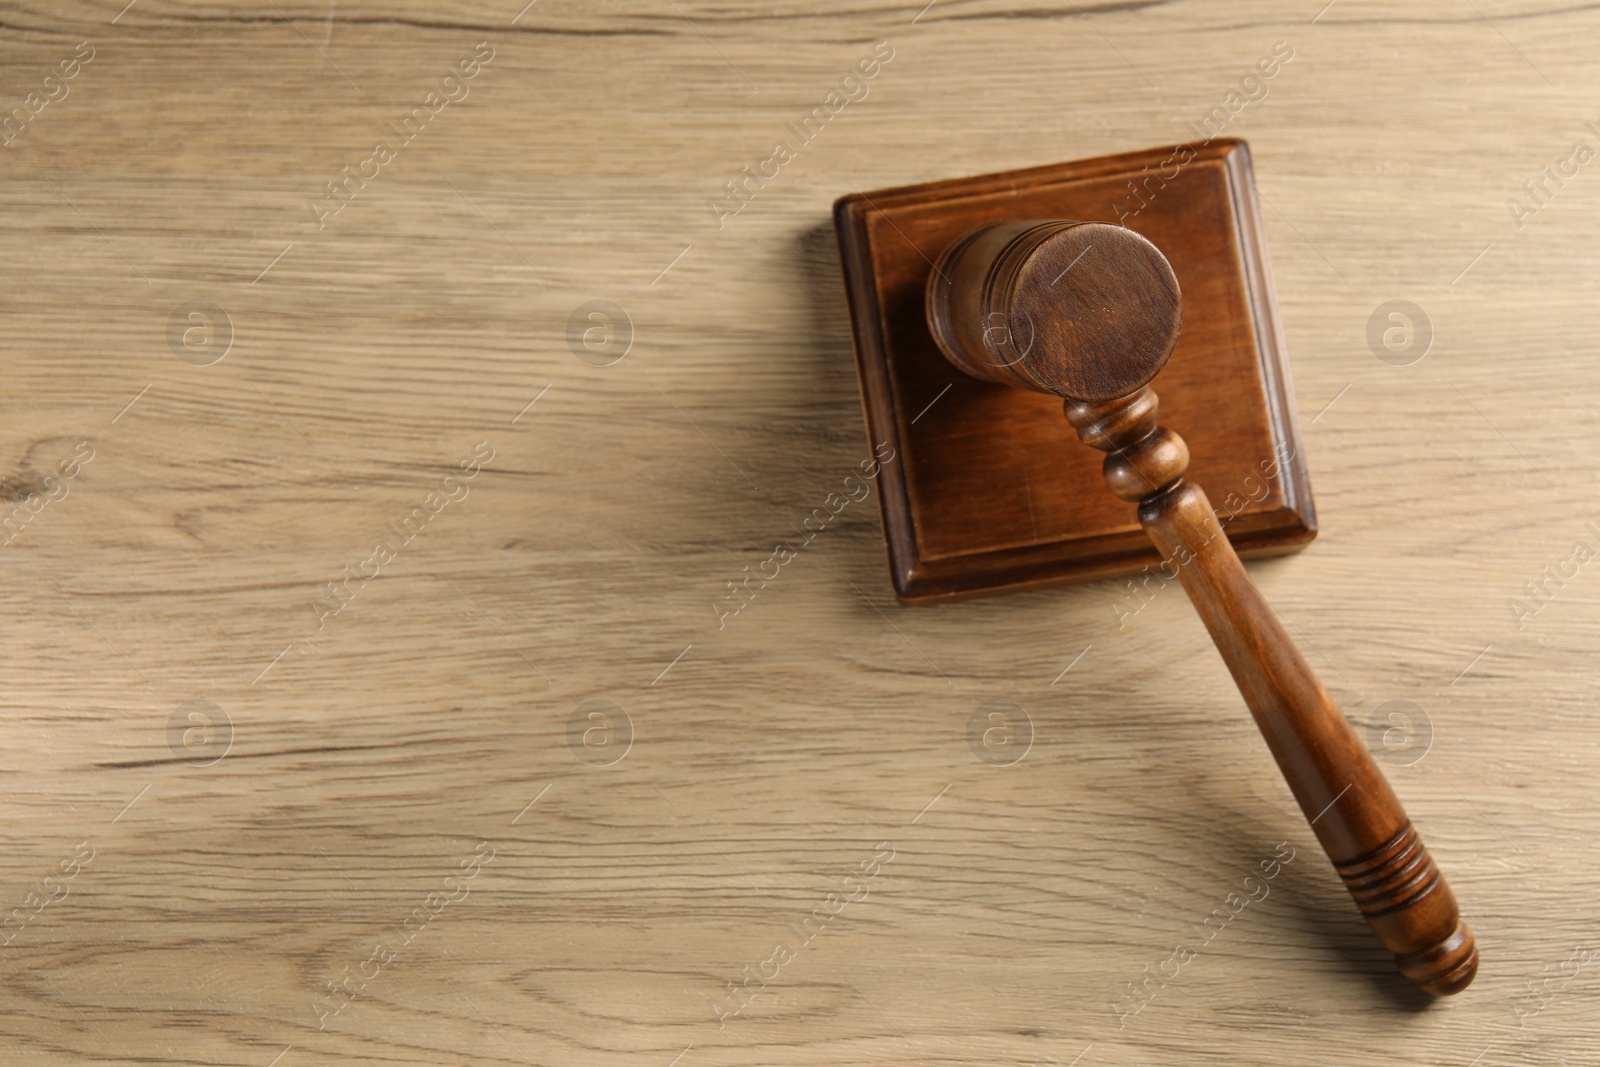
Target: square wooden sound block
[{"x": 991, "y": 490}]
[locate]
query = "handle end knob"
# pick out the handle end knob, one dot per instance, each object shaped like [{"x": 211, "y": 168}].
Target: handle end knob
[{"x": 1447, "y": 967}]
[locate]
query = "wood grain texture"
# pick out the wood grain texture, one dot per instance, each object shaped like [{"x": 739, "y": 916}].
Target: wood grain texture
[{"x": 770, "y": 758}]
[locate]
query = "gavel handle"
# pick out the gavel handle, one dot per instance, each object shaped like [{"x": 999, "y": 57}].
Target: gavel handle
[
  {"x": 1343, "y": 794},
  {"x": 1339, "y": 787}
]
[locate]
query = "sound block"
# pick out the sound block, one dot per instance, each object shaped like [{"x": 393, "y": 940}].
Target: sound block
[{"x": 991, "y": 490}]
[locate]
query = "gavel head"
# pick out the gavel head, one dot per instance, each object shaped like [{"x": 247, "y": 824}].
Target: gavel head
[{"x": 1085, "y": 310}]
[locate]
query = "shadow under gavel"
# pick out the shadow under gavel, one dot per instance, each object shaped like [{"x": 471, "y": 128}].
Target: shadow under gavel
[{"x": 1090, "y": 312}]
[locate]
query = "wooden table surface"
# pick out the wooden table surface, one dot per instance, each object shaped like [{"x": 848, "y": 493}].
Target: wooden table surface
[{"x": 253, "y": 818}]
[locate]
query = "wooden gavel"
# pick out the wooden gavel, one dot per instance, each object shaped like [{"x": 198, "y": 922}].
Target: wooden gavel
[{"x": 1090, "y": 312}]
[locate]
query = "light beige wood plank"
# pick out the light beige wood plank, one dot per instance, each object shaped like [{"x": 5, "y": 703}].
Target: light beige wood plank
[{"x": 369, "y": 758}]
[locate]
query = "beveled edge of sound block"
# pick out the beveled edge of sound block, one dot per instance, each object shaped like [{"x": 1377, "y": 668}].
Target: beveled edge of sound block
[{"x": 917, "y": 580}]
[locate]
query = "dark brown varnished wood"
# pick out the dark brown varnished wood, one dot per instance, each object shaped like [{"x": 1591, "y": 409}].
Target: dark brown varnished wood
[
  {"x": 1095, "y": 333},
  {"x": 990, "y": 494}
]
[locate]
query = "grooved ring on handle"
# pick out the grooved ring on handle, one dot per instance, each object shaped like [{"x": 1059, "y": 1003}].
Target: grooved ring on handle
[{"x": 1387, "y": 883}]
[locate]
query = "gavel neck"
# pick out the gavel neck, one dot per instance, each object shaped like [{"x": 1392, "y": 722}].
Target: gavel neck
[{"x": 1143, "y": 459}]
